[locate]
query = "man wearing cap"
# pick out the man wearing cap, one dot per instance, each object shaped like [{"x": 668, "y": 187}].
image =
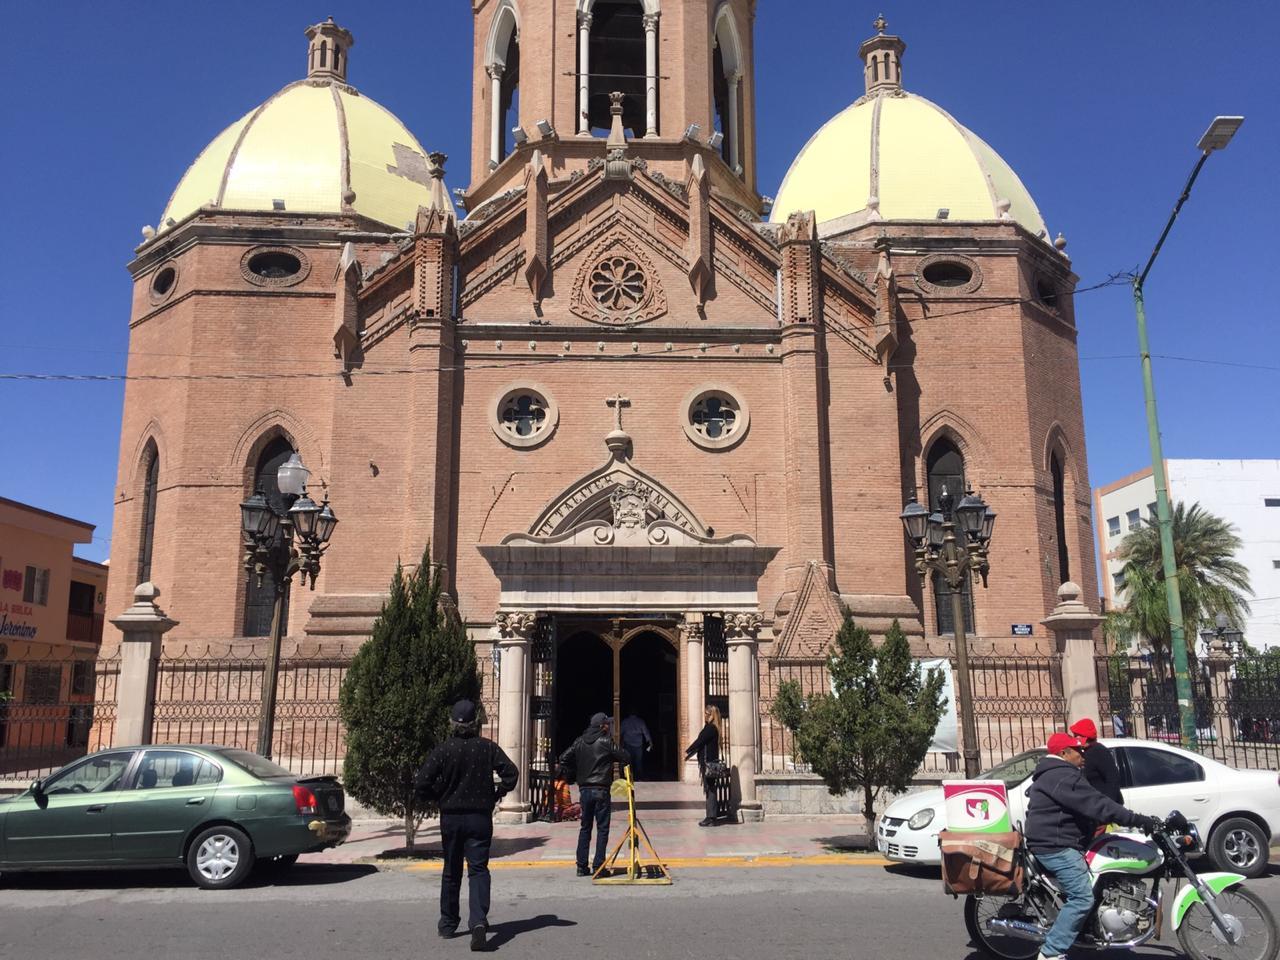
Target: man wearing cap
[
  {"x": 1099, "y": 765},
  {"x": 1061, "y": 818},
  {"x": 592, "y": 757},
  {"x": 458, "y": 777}
]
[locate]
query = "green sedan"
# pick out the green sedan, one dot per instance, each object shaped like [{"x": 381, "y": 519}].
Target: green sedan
[{"x": 218, "y": 810}]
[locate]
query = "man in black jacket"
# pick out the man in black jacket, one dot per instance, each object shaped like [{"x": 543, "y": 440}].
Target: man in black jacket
[
  {"x": 591, "y": 758},
  {"x": 458, "y": 777},
  {"x": 1099, "y": 765},
  {"x": 1061, "y": 818}
]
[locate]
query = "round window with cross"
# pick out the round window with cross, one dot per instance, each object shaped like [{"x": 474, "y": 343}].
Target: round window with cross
[
  {"x": 715, "y": 418},
  {"x": 524, "y": 417}
]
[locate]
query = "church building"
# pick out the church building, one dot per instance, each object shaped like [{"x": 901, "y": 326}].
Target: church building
[{"x": 656, "y": 428}]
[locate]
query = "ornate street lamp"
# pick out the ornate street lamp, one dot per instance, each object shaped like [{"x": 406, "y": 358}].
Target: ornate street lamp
[
  {"x": 282, "y": 543},
  {"x": 1223, "y": 638},
  {"x": 954, "y": 544}
]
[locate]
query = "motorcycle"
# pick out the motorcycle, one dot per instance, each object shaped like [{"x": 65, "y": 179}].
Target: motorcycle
[{"x": 1214, "y": 917}]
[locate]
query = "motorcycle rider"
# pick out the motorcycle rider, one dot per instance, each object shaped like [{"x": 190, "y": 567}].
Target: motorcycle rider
[{"x": 1061, "y": 818}]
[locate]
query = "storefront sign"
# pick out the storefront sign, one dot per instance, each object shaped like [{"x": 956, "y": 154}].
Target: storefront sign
[{"x": 12, "y": 626}]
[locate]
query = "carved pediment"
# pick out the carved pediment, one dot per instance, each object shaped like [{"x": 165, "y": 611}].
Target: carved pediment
[
  {"x": 619, "y": 496},
  {"x": 617, "y": 284}
]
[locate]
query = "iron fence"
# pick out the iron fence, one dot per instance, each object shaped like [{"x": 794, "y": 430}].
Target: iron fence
[
  {"x": 53, "y": 711},
  {"x": 1018, "y": 701},
  {"x": 1236, "y": 702}
]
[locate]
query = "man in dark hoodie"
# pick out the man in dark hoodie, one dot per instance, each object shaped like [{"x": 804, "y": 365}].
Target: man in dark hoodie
[
  {"x": 591, "y": 757},
  {"x": 1061, "y": 817},
  {"x": 1099, "y": 765},
  {"x": 458, "y": 777}
]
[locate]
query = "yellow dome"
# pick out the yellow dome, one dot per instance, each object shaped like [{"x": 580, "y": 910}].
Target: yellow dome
[
  {"x": 901, "y": 157},
  {"x": 311, "y": 145}
]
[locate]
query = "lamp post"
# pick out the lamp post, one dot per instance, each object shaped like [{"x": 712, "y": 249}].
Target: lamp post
[
  {"x": 282, "y": 543},
  {"x": 1223, "y": 637},
  {"x": 956, "y": 555},
  {"x": 1216, "y": 137}
]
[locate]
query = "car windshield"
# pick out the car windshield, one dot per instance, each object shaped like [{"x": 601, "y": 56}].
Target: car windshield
[
  {"x": 256, "y": 765},
  {"x": 1015, "y": 770}
]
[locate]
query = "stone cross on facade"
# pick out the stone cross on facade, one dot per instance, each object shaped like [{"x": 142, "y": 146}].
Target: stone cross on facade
[{"x": 617, "y": 403}]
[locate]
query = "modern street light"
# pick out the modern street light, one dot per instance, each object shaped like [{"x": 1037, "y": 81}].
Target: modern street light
[
  {"x": 1216, "y": 137},
  {"x": 282, "y": 544},
  {"x": 954, "y": 544}
]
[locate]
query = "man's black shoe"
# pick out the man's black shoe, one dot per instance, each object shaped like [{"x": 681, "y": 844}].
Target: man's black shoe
[
  {"x": 706, "y": 823},
  {"x": 477, "y": 936},
  {"x": 447, "y": 934},
  {"x": 584, "y": 872}
]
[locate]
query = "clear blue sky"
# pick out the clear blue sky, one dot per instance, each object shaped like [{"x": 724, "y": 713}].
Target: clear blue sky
[{"x": 1097, "y": 106}]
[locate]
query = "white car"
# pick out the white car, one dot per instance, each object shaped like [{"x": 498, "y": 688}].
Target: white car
[{"x": 1237, "y": 811}]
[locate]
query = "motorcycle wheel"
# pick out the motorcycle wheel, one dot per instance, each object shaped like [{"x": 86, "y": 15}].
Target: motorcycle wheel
[
  {"x": 1259, "y": 938},
  {"x": 1002, "y": 946}
]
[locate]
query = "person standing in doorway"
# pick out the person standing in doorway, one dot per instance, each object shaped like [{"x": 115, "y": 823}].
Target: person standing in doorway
[
  {"x": 707, "y": 749},
  {"x": 592, "y": 757},
  {"x": 458, "y": 777},
  {"x": 636, "y": 741}
]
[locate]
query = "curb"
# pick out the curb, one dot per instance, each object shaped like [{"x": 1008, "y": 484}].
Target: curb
[{"x": 739, "y": 862}]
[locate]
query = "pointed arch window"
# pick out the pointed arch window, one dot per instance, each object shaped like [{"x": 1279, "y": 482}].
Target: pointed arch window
[
  {"x": 147, "y": 529},
  {"x": 945, "y": 465},
  {"x": 1060, "y": 517},
  {"x": 726, "y": 74},
  {"x": 503, "y": 67},
  {"x": 259, "y": 601},
  {"x": 618, "y": 51}
]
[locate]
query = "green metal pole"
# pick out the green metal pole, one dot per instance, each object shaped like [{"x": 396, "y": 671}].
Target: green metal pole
[{"x": 1164, "y": 517}]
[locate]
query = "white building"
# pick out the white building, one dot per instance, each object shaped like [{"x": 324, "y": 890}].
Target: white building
[{"x": 1245, "y": 493}]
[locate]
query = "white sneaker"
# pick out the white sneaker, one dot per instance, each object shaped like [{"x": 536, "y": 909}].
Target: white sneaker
[{"x": 1046, "y": 956}]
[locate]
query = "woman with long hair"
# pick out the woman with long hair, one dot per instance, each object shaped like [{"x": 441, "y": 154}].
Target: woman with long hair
[{"x": 707, "y": 749}]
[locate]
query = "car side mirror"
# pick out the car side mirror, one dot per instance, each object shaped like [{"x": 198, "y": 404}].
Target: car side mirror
[{"x": 38, "y": 794}]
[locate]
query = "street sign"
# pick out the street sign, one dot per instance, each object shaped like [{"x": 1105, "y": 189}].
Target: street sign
[{"x": 1020, "y": 629}]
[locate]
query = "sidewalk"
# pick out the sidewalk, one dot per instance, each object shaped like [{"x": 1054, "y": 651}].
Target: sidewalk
[{"x": 773, "y": 842}]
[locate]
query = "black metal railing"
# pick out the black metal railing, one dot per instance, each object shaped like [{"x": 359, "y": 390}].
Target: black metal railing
[{"x": 53, "y": 711}]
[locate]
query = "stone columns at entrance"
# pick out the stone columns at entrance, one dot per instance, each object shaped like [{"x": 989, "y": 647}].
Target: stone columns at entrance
[
  {"x": 1073, "y": 624},
  {"x": 144, "y": 625},
  {"x": 740, "y": 631},
  {"x": 512, "y": 632},
  {"x": 695, "y": 688}
]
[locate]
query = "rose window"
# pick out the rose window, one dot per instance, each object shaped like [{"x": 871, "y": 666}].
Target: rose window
[
  {"x": 618, "y": 284},
  {"x": 714, "y": 416},
  {"x": 524, "y": 415}
]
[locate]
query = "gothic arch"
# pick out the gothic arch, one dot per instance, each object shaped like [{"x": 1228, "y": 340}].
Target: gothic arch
[
  {"x": 504, "y": 26},
  {"x": 152, "y": 433},
  {"x": 959, "y": 431},
  {"x": 726, "y": 35},
  {"x": 1055, "y": 441},
  {"x": 276, "y": 423},
  {"x": 650, "y": 6}
]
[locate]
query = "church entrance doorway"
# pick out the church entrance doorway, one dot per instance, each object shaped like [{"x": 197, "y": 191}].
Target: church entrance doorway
[{"x": 618, "y": 670}]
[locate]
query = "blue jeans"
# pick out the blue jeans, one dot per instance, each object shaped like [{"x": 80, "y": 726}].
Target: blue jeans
[
  {"x": 636, "y": 752},
  {"x": 595, "y": 806},
  {"x": 1073, "y": 877}
]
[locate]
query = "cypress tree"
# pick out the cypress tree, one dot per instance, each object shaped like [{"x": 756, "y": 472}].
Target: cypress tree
[{"x": 396, "y": 696}]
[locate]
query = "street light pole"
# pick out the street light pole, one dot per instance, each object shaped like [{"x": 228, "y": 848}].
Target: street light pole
[
  {"x": 956, "y": 559},
  {"x": 1216, "y": 137}
]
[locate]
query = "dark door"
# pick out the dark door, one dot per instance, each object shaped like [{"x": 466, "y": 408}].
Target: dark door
[
  {"x": 75, "y": 824},
  {"x": 648, "y": 671}
]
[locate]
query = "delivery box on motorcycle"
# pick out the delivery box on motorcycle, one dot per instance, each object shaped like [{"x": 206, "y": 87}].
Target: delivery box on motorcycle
[{"x": 987, "y": 863}]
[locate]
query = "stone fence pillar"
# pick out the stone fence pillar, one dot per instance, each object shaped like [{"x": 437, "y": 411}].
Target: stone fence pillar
[
  {"x": 1073, "y": 624},
  {"x": 744, "y": 722},
  {"x": 144, "y": 625}
]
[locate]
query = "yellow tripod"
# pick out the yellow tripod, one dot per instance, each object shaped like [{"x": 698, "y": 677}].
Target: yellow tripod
[{"x": 652, "y": 871}]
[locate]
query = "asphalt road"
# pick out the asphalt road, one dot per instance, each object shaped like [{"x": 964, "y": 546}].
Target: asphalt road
[{"x": 352, "y": 911}]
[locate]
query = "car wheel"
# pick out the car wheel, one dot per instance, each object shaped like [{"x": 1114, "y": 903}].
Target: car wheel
[
  {"x": 1240, "y": 846},
  {"x": 219, "y": 858}
]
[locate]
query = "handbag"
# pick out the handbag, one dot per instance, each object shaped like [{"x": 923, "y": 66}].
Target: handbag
[{"x": 715, "y": 769}]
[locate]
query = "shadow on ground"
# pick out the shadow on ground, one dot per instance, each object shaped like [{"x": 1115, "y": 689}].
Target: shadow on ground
[
  {"x": 501, "y": 847},
  {"x": 849, "y": 843},
  {"x": 503, "y": 933},
  {"x": 300, "y": 875},
  {"x": 922, "y": 871}
]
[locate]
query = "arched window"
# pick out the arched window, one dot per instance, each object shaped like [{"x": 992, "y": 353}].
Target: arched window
[
  {"x": 945, "y": 466},
  {"x": 1060, "y": 518},
  {"x": 502, "y": 61},
  {"x": 616, "y": 62},
  {"x": 726, "y": 84},
  {"x": 147, "y": 529},
  {"x": 259, "y": 601}
]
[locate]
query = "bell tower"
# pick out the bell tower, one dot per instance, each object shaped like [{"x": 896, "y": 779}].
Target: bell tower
[{"x": 545, "y": 72}]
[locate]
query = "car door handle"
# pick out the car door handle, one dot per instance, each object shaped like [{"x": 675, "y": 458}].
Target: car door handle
[
  {"x": 96, "y": 808},
  {"x": 195, "y": 801},
  {"x": 1199, "y": 799}
]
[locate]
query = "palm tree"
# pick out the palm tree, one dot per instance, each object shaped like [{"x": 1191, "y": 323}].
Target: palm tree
[{"x": 1211, "y": 580}]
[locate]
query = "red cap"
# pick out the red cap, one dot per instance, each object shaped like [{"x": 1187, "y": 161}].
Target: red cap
[
  {"x": 1085, "y": 728},
  {"x": 1060, "y": 741}
]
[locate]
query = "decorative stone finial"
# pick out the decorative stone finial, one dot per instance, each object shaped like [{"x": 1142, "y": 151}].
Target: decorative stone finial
[
  {"x": 617, "y": 439},
  {"x": 617, "y": 136},
  {"x": 882, "y": 60},
  {"x": 439, "y": 197},
  {"x": 328, "y": 46},
  {"x": 1060, "y": 242}
]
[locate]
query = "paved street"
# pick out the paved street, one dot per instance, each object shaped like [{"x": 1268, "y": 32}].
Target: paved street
[{"x": 355, "y": 911}]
